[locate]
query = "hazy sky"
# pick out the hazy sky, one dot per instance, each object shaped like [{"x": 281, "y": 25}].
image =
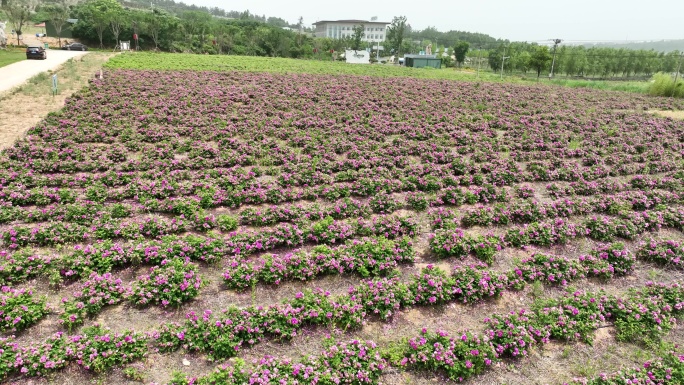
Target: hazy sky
[{"x": 529, "y": 20}]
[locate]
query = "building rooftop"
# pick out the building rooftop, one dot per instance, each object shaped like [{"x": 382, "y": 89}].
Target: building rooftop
[{"x": 350, "y": 21}]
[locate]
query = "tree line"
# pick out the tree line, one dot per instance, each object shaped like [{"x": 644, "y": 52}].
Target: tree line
[{"x": 580, "y": 61}]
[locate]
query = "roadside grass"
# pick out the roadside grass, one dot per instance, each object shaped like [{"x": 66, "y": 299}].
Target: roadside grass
[
  {"x": 10, "y": 56},
  {"x": 25, "y": 105}
]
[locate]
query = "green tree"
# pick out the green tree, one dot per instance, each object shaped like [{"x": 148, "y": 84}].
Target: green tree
[
  {"x": 540, "y": 59},
  {"x": 521, "y": 61},
  {"x": 156, "y": 24},
  {"x": 19, "y": 14},
  {"x": 94, "y": 17},
  {"x": 196, "y": 23},
  {"x": 117, "y": 19},
  {"x": 461, "y": 51},
  {"x": 58, "y": 15},
  {"x": 357, "y": 36},
  {"x": 395, "y": 34}
]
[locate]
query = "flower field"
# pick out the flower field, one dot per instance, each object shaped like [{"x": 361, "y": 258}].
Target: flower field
[{"x": 183, "y": 226}]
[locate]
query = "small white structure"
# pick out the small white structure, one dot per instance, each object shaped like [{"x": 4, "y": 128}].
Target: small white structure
[
  {"x": 357, "y": 57},
  {"x": 3, "y": 37}
]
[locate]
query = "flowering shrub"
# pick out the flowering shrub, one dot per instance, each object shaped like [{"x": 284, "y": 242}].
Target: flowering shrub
[
  {"x": 388, "y": 226},
  {"x": 549, "y": 269},
  {"x": 455, "y": 243},
  {"x": 21, "y": 265},
  {"x": 19, "y": 309},
  {"x": 617, "y": 256},
  {"x": 460, "y": 357},
  {"x": 601, "y": 229},
  {"x": 92, "y": 295},
  {"x": 431, "y": 286},
  {"x": 647, "y": 314},
  {"x": 329, "y": 230},
  {"x": 667, "y": 252},
  {"x": 668, "y": 369},
  {"x": 418, "y": 201},
  {"x": 473, "y": 283},
  {"x": 173, "y": 282},
  {"x": 226, "y": 222},
  {"x": 383, "y": 203},
  {"x": 100, "y": 349},
  {"x": 383, "y": 297},
  {"x": 441, "y": 218},
  {"x": 513, "y": 334},
  {"x": 524, "y": 191},
  {"x": 573, "y": 317}
]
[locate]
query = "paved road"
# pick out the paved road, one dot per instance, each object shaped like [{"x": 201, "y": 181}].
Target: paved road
[{"x": 17, "y": 73}]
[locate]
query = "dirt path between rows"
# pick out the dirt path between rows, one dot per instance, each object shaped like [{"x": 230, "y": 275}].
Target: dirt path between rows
[{"x": 24, "y": 106}]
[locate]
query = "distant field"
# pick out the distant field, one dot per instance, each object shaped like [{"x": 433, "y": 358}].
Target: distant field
[
  {"x": 166, "y": 61},
  {"x": 9, "y": 57},
  {"x": 163, "y": 61}
]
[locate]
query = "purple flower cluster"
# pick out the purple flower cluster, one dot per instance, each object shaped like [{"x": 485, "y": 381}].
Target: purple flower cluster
[
  {"x": 19, "y": 309},
  {"x": 91, "y": 296},
  {"x": 172, "y": 282}
]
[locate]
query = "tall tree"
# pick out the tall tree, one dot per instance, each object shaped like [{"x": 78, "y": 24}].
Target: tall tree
[
  {"x": 58, "y": 15},
  {"x": 196, "y": 23},
  {"x": 117, "y": 19},
  {"x": 540, "y": 59},
  {"x": 96, "y": 14},
  {"x": 156, "y": 23},
  {"x": 461, "y": 51},
  {"x": 395, "y": 34},
  {"x": 19, "y": 14},
  {"x": 357, "y": 35}
]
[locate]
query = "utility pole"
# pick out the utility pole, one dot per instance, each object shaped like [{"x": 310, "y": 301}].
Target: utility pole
[
  {"x": 553, "y": 63},
  {"x": 679, "y": 67},
  {"x": 479, "y": 54},
  {"x": 503, "y": 59}
]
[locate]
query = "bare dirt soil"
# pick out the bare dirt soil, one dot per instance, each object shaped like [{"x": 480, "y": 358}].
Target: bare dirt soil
[
  {"x": 24, "y": 106},
  {"x": 670, "y": 114}
]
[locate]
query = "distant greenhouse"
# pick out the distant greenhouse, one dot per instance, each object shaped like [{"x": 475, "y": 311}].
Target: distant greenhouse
[
  {"x": 421, "y": 61},
  {"x": 51, "y": 31}
]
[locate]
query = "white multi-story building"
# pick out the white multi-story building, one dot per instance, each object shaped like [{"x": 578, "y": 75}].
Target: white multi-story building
[{"x": 375, "y": 31}]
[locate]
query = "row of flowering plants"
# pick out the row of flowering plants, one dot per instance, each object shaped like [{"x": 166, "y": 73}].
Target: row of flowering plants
[
  {"x": 326, "y": 230},
  {"x": 666, "y": 369},
  {"x": 171, "y": 283},
  {"x": 527, "y": 211},
  {"x": 450, "y": 241},
  {"x": 96, "y": 348},
  {"x": 574, "y": 316},
  {"x": 105, "y": 255},
  {"x": 386, "y": 296},
  {"x": 353, "y": 362},
  {"x": 371, "y": 256},
  {"x": 462, "y": 355}
]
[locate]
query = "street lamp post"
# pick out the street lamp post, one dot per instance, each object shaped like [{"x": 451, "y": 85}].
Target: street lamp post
[{"x": 503, "y": 59}]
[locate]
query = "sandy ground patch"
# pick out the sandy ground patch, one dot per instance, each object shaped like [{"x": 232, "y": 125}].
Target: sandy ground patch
[{"x": 26, "y": 105}]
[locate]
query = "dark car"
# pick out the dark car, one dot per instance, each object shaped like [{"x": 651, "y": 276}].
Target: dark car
[
  {"x": 75, "y": 47},
  {"x": 36, "y": 53}
]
